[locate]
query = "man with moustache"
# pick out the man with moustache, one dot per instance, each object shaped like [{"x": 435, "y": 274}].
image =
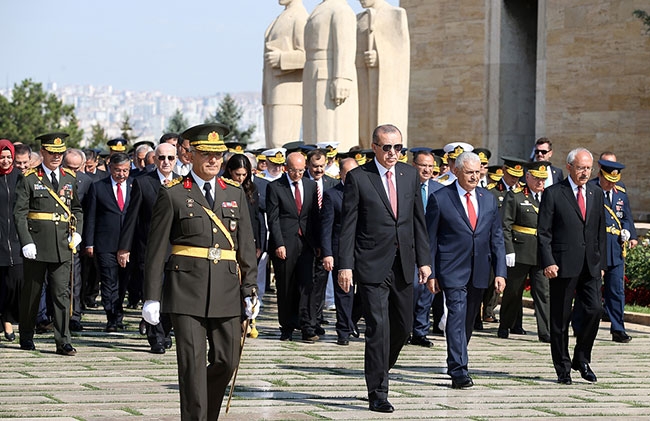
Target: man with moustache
[
  {"x": 46, "y": 211},
  {"x": 572, "y": 243},
  {"x": 133, "y": 237},
  {"x": 382, "y": 240},
  {"x": 209, "y": 275}
]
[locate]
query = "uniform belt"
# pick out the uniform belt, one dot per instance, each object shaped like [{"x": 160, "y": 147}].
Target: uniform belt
[
  {"x": 613, "y": 230},
  {"x": 524, "y": 230},
  {"x": 48, "y": 216},
  {"x": 211, "y": 253}
]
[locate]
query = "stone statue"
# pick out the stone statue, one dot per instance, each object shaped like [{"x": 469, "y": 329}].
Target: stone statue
[
  {"x": 284, "y": 59},
  {"x": 383, "y": 65},
  {"x": 330, "y": 102}
]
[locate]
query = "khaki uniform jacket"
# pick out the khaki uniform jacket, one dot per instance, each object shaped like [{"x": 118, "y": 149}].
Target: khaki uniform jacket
[
  {"x": 50, "y": 237},
  {"x": 520, "y": 209},
  {"x": 192, "y": 285}
]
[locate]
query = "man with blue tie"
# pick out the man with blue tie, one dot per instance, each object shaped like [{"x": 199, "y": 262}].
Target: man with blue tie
[
  {"x": 466, "y": 241},
  {"x": 424, "y": 162}
]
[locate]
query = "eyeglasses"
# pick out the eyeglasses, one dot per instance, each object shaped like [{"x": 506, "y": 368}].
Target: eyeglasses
[
  {"x": 541, "y": 151},
  {"x": 582, "y": 169},
  {"x": 295, "y": 171},
  {"x": 167, "y": 157},
  {"x": 386, "y": 148}
]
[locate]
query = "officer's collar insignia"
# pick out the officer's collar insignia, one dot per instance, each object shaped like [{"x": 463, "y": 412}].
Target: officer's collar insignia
[{"x": 187, "y": 182}]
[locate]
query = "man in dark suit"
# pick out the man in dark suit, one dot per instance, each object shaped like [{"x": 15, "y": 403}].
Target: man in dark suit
[
  {"x": 209, "y": 275},
  {"x": 520, "y": 210},
  {"x": 543, "y": 151},
  {"x": 424, "y": 162},
  {"x": 466, "y": 244},
  {"x": 133, "y": 237},
  {"x": 382, "y": 240},
  {"x": 108, "y": 200},
  {"x": 572, "y": 245},
  {"x": 47, "y": 208},
  {"x": 348, "y": 309},
  {"x": 292, "y": 212},
  {"x": 91, "y": 170},
  {"x": 73, "y": 159},
  {"x": 316, "y": 162}
]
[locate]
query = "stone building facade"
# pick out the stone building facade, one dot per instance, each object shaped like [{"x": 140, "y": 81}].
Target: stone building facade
[{"x": 501, "y": 73}]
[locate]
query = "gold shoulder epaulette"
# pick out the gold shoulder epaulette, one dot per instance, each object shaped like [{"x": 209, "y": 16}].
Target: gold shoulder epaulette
[
  {"x": 30, "y": 172},
  {"x": 518, "y": 188},
  {"x": 491, "y": 186},
  {"x": 69, "y": 171},
  {"x": 174, "y": 181},
  {"x": 619, "y": 188},
  {"x": 260, "y": 175},
  {"x": 231, "y": 182},
  {"x": 443, "y": 178}
]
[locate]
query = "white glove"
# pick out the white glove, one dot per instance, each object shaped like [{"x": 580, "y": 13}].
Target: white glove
[
  {"x": 75, "y": 240},
  {"x": 510, "y": 260},
  {"x": 29, "y": 251},
  {"x": 252, "y": 307},
  {"x": 151, "y": 312},
  {"x": 625, "y": 235}
]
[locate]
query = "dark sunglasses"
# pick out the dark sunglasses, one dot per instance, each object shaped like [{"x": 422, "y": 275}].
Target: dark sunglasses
[
  {"x": 168, "y": 157},
  {"x": 541, "y": 151},
  {"x": 386, "y": 148}
]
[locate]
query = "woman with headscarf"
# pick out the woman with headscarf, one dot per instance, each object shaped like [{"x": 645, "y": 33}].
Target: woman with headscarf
[{"x": 11, "y": 263}]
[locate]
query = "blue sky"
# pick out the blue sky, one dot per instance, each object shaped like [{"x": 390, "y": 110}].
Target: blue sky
[{"x": 188, "y": 48}]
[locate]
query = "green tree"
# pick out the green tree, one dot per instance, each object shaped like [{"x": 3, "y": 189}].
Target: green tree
[
  {"x": 177, "y": 123},
  {"x": 230, "y": 114},
  {"x": 645, "y": 18},
  {"x": 32, "y": 112},
  {"x": 126, "y": 129},
  {"x": 98, "y": 136}
]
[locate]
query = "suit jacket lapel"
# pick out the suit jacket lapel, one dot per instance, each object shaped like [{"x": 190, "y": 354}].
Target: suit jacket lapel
[
  {"x": 288, "y": 193},
  {"x": 376, "y": 181},
  {"x": 589, "y": 197},
  {"x": 570, "y": 197},
  {"x": 452, "y": 191},
  {"x": 482, "y": 207}
]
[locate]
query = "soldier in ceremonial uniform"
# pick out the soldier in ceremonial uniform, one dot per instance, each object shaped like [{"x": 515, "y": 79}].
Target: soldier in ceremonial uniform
[
  {"x": 210, "y": 274},
  {"x": 47, "y": 214},
  {"x": 275, "y": 159},
  {"x": 520, "y": 209}
]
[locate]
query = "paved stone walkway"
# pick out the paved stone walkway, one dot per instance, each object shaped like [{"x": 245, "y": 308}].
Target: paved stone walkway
[{"x": 114, "y": 377}]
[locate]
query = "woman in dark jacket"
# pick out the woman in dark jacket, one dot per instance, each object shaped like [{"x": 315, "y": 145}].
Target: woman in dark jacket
[
  {"x": 238, "y": 168},
  {"x": 11, "y": 263}
]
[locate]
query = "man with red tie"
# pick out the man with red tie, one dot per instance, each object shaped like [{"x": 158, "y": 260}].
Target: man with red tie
[
  {"x": 466, "y": 241},
  {"x": 108, "y": 200}
]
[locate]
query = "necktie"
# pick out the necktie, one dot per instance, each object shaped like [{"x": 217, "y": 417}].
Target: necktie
[
  {"x": 471, "y": 212},
  {"x": 609, "y": 198},
  {"x": 55, "y": 181},
  {"x": 581, "y": 202},
  {"x": 298, "y": 199},
  {"x": 208, "y": 195},
  {"x": 320, "y": 196},
  {"x": 423, "y": 190},
  {"x": 392, "y": 193},
  {"x": 120, "y": 197},
  {"x": 537, "y": 197}
]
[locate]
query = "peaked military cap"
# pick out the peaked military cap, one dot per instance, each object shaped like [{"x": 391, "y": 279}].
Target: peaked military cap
[
  {"x": 117, "y": 145},
  {"x": 611, "y": 170},
  {"x": 53, "y": 142},
  {"x": 514, "y": 166},
  {"x": 484, "y": 154},
  {"x": 538, "y": 169},
  {"x": 207, "y": 137}
]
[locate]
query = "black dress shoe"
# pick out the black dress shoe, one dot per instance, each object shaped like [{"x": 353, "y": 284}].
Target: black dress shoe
[
  {"x": 10, "y": 336},
  {"x": 158, "y": 348},
  {"x": 27, "y": 345},
  {"x": 585, "y": 371},
  {"x": 355, "y": 332},
  {"x": 421, "y": 341},
  {"x": 66, "y": 349},
  {"x": 381, "y": 405},
  {"x": 462, "y": 383},
  {"x": 91, "y": 304},
  {"x": 75, "y": 326},
  {"x": 142, "y": 327},
  {"x": 564, "y": 379},
  {"x": 545, "y": 338},
  {"x": 319, "y": 331},
  {"x": 286, "y": 336},
  {"x": 518, "y": 331},
  {"x": 503, "y": 333},
  {"x": 110, "y": 328},
  {"x": 168, "y": 343},
  {"x": 342, "y": 341},
  {"x": 121, "y": 326},
  {"x": 617, "y": 336}
]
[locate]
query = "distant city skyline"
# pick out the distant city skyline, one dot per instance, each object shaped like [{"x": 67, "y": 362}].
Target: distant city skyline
[{"x": 189, "y": 49}]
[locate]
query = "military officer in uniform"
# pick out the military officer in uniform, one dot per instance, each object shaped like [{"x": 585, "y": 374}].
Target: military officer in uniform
[
  {"x": 520, "y": 209},
  {"x": 47, "y": 214},
  {"x": 206, "y": 220}
]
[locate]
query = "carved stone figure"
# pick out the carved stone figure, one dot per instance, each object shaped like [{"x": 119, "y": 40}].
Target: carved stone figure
[
  {"x": 330, "y": 102},
  {"x": 383, "y": 65},
  {"x": 284, "y": 59}
]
